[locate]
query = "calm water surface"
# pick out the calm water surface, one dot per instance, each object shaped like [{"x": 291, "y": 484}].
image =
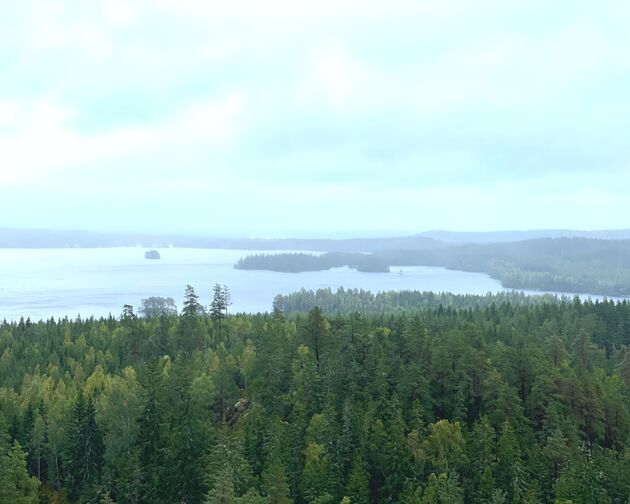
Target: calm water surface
[{"x": 40, "y": 283}]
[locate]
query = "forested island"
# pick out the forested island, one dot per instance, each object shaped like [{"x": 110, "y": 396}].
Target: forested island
[
  {"x": 574, "y": 265},
  {"x": 300, "y": 262},
  {"x": 514, "y": 399}
]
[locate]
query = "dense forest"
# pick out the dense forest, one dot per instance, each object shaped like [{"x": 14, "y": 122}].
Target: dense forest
[
  {"x": 503, "y": 402},
  {"x": 575, "y": 265},
  {"x": 349, "y": 301}
]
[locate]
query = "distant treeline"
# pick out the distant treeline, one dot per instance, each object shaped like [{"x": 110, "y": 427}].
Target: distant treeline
[
  {"x": 348, "y": 301},
  {"x": 300, "y": 262},
  {"x": 575, "y": 265}
]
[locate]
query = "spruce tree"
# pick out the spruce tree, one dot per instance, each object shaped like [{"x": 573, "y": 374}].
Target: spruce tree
[
  {"x": 16, "y": 485},
  {"x": 84, "y": 455}
]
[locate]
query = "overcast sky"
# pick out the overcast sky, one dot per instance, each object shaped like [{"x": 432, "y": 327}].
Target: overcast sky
[{"x": 286, "y": 117}]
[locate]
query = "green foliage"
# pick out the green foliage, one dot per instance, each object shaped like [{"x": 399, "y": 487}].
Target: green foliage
[
  {"x": 350, "y": 301},
  {"x": 444, "y": 446},
  {"x": 84, "y": 450},
  {"x": 359, "y": 482},
  {"x": 443, "y": 489},
  {"x": 276, "y": 485},
  {"x": 499, "y": 399},
  {"x": 156, "y": 306},
  {"x": 222, "y": 491},
  {"x": 16, "y": 485},
  {"x": 192, "y": 307},
  {"x": 221, "y": 301}
]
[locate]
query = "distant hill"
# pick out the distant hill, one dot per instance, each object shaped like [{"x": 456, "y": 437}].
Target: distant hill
[
  {"x": 580, "y": 265},
  {"x": 509, "y": 236},
  {"x": 45, "y": 238},
  {"x": 51, "y": 238}
]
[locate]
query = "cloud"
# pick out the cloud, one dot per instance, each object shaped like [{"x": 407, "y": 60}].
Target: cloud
[
  {"x": 39, "y": 143},
  {"x": 270, "y": 110}
]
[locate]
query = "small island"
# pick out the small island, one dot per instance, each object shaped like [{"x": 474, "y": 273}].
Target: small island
[{"x": 152, "y": 254}]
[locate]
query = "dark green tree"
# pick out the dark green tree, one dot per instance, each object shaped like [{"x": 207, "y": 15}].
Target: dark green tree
[
  {"x": 16, "y": 485},
  {"x": 84, "y": 452}
]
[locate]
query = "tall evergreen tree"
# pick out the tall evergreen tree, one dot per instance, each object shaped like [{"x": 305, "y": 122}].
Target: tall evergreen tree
[
  {"x": 190, "y": 328},
  {"x": 84, "y": 455},
  {"x": 191, "y": 307},
  {"x": 221, "y": 300},
  {"x": 16, "y": 485},
  {"x": 275, "y": 485}
]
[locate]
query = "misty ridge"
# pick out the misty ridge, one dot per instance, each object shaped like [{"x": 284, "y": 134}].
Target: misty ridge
[{"x": 44, "y": 238}]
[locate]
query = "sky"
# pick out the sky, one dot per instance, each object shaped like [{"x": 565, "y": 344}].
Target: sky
[{"x": 278, "y": 118}]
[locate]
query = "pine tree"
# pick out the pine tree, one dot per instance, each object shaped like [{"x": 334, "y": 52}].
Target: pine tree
[
  {"x": 276, "y": 485},
  {"x": 445, "y": 445},
  {"x": 16, "y": 486},
  {"x": 38, "y": 443},
  {"x": 443, "y": 489},
  {"x": 186, "y": 443},
  {"x": 218, "y": 306},
  {"x": 624, "y": 368},
  {"x": 252, "y": 496},
  {"x": 191, "y": 307},
  {"x": 222, "y": 491},
  {"x": 84, "y": 456},
  {"x": 316, "y": 479},
  {"x": 227, "y": 456},
  {"x": 127, "y": 313},
  {"x": 509, "y": 474},
  {"x": 358, "y": 488},
  {"x": 221, "y": 300},
  {"x": 150, "y": 433},
  {"x": 395, "y": 456},
  {"x": 191, "y": 311},
  {"x": 316, "y": 332}
]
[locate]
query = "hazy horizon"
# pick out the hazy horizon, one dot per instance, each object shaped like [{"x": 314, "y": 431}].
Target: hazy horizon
[{"x": 315, "y": 235}]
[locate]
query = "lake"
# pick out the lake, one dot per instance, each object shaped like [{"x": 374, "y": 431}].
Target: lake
[{"x": 40, "y": 283}]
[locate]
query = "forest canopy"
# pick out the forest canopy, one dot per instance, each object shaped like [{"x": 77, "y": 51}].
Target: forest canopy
[{"x": 505, "y": 401}]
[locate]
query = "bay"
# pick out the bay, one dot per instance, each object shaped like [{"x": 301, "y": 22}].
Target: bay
[{"x": 44, "y": 283}]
